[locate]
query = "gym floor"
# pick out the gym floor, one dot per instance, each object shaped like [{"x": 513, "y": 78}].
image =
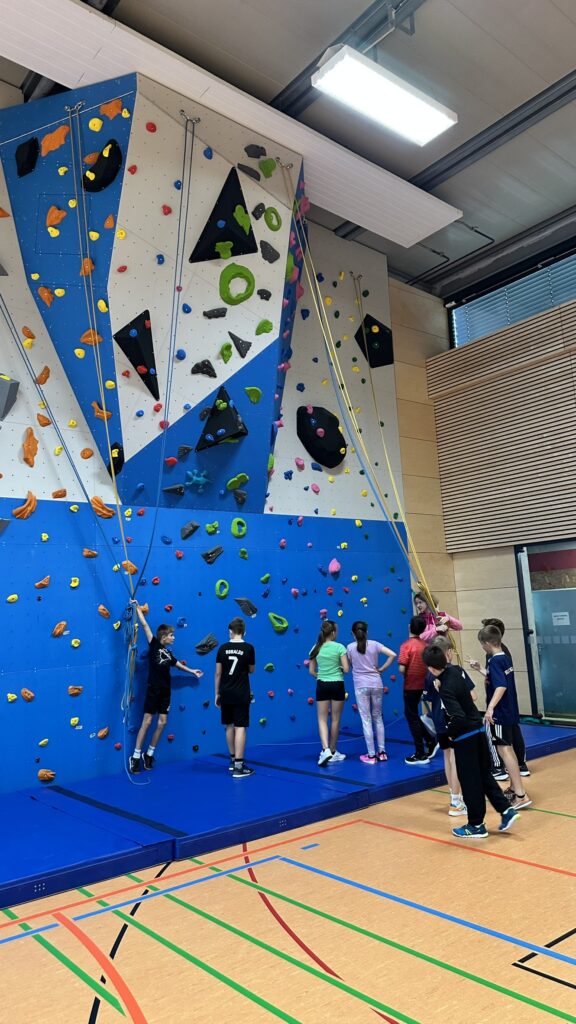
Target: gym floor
[{"x": 380, "y": 913}]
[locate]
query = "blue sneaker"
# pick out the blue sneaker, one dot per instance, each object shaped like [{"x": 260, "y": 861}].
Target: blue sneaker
[
  {"x": 471, "y": 832},
  {"x": 508, "y": 818}
]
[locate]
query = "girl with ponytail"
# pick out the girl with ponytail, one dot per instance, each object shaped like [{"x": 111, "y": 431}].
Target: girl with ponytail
[
  {"x": 364, "y": 656},
  {"x": 328, "y": 663}
]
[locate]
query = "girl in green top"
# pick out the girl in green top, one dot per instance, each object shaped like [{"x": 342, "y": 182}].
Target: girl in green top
[{"x": 328, "y": 663}]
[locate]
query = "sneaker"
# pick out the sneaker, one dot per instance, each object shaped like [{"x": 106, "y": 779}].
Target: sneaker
[
  {"x": 433, "y": 749},
  {"x": 524, "y": 770},
  {"x": 509, "y": 794},
  {"x": 231, "y": 765},
  {"x": 134, "y": 765},
  {"x": 382, "y": 755},
  {"x": 500, "y": 775},
  {"x": 243, "y": 772},
  {"x": 471, "y": 832},
  {"x": 325, "y": 756},
  {"x": 417, "y": 759},
  {"x": 337, "y": 756},
  {"x": 368, "y": 758},
  {"x": 521, "y": 800},
  {"x": 148, "y": 760},
  {"x": 456, "y": 808},
  {"x": 507, "y": 819}
]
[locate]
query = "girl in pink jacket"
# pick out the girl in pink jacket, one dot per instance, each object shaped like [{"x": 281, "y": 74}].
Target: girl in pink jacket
[{"x": 437, "y": 622}]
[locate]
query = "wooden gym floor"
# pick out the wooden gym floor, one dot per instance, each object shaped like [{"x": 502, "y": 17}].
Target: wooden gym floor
[{"x": 378, "y": 915}]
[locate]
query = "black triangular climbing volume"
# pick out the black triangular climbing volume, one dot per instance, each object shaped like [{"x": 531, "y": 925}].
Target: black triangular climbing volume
[
  {"x": 228, "y": 230},
  {"x": 223, "y": 424},
  {"x": 104, "y": 171},
  {"x": 375, "y": 341},
  {"x": 135, "y": 340}
]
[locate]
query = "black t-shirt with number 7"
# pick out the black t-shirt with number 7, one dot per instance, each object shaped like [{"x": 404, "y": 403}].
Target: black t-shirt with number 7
[{"x": 235, "y": 657}]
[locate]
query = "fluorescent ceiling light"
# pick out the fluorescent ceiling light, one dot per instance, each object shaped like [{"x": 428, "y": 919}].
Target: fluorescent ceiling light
[{"x": 360, "y": 83}]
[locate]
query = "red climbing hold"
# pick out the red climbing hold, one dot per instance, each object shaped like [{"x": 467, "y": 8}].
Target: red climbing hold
[
  {"x": 171, "y": 460},
  {"x": 163, "y": 424},
  {"x": 142, "y": 370},
  {"x": 155, "y": 580},
  {"x": 141, "y": 512},
  {"x": 158, "y": 407},
  {"x": 179, "y": 554},
  {"x": 122, "y": 269},
  {"x": 346, "y": 590},
  {"x": 125, "y": 373},
  {"x": 117, "y": 746},
  {"x": 147, "y": 325},
  {"x": 170, "y": 737},
  {"x": 167, "y": 607},
  {"x": 386, "y": 590},
  {"x": 310, "y": 700},
  {"x": 330, "y": 591},
  {"x": 166, "y": 210},
  {"x": 385, "y": 689},
  {"x": 132, "y": 169},
  {"x": 150, "y": 127},
  {"x": 270, "y": 693},
  {"x": 392, "y": 679}
]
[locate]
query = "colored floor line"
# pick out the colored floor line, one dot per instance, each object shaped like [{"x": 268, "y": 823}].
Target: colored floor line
[
  {"x": 542, "y": 974},
  {"x": 469, "y": 849},
  {"x": 286, "y": 957},
  {"x": 451, "y": 918},
  {"x": 75, "y": 969},
  {"x": 178, "y": 874},
  {"x": 110, "y": 809},
  {"x": 539, "y": 810},
  {"x": 551, "y": 944},
  {"x": 106, "y": 964},
  {"x": 406, "y": 949}
]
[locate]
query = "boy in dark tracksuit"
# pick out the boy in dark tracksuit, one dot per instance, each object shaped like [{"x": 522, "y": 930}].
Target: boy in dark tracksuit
[{"x": 466, "y": 730}]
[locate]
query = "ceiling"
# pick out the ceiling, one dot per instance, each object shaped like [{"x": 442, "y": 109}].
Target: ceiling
[{"x": 507, "y": 68}]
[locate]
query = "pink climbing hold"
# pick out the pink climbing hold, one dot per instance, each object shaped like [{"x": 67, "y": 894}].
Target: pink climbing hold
[
  {"x": 323, "y": 613},
  {"x": 299, "y": 292},
  {"x": 284, "y": 303},
  {"x": 320, "y": 431},
  {"x": 300, "y": 520},
  {"x": 294, "y": 591},
  {"x": 150, "y": 127},
  {"x": 282, "y": 543},
  {"x": 315, "y": 488},
  {"x": 392, "y": 679},
  {"x": 309, "y": 409},
  {"x": 329, "y": 591},
  {"x": 334, "y": 567},
  {"x": 310, "y": 700},
  {"x": 294, "y": 275},
  {"x": 290, "y": 693},
  {"x": 385, "y": 689},
  {"x": 278, "y": 424},
  {"x": 299, "y": 462}
]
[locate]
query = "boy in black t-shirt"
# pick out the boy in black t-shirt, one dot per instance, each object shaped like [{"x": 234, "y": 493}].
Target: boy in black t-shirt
[
  {"x": 158, "y": 694},
  {"x": 235, "y": 661}
]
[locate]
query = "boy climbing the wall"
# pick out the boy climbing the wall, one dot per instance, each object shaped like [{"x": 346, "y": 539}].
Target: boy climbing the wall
[
  {"x": 235, "y": 662},
  {"x": 158, "y": 694}
]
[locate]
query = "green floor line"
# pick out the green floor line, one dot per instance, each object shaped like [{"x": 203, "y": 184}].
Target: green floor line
[
  {"x": 539, "y": 810},
  {"x": 63, "y": 959}
]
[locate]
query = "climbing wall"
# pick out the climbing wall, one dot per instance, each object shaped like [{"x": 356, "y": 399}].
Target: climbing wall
[{"x": 150, "y": 269}]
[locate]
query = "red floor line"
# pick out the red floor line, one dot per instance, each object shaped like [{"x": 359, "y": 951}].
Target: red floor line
[
  {"x": 175, "y": 874},
  {"x": 296, "y": 938},
  {"x": 107, "y": 966},
  {"x": 471, "y": 849}
]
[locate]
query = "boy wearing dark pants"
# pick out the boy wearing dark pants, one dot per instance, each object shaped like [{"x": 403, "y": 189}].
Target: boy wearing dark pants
[
  {"x": 414, "y": 671},
  {"x": 502, "y": 711},
  {"x": 235, "y": 661},
  {"x": 466, "y": 730}
]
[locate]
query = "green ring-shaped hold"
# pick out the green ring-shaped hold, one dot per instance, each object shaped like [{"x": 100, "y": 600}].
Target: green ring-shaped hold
[
  {"x": 278, "y": 622},
  {"x": 239, "y": 527},
  {"x": 222, "y": 588},
  {"x": 272, "y": 218},
  {"x": 235, "y": 272}
]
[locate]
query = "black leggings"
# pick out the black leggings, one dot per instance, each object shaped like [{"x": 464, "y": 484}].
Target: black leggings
[{"x": 420, "y": 734}]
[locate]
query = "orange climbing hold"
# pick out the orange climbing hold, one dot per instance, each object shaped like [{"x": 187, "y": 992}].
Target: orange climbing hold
[
  {"x": 91, "y": 337},
  {"x": 111, "y": 109},
  {"x": 3, "y": 213},
  {"x": 87, "y": 267},
  {"x": 42, "y": 584},
  {"x": 75, "y": 691},
  {"x": 60, "y": 493},
  {"x": 103, "y": 611},
  {"x": 91, "y": 158},
  {"x": 26, "y": 510},
  {"x": 89, "y": 553},
  {"x": 86, "y": 453},
  {"x": 99, "y": 413},
  {"x": 129, "y": 567},
  {"x": 44, "y": 373},
  {"x": 30, "y": 447},
  {"x": 55, "y": 216},
  {"x": 53, "y": 140},
  {"x": 46, "y": 775},
  {"x": 28, "y": 333},
  {"x": 27, "y": 695},
  {"x": 101, "y": 509},
  {"x": 110, "y": 221},
  {"x": 46, "y": 295},
  {"x": 59, "y": 628},
  {"x": 43, "y": 420},
  {"x": 103, "y": 733}
]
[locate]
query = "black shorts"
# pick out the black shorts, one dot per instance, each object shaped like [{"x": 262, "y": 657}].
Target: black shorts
[
  {"x": 157, "y": 702},
  {"x": 444, "y": 741},
  {"x": 330, "y": 690},
  {"x": 236, "y": 714},
  {"x": 503, "y": 735}
]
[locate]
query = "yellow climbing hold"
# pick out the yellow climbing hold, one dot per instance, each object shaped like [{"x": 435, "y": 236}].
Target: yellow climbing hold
[
  {"x": 12, "y": 598},
  {"x": 325, "y": 381},
  {"x": 53, "y": 232},
  {"x": 116, "y": 568},
  {"x": 11, "y": 697},
  {"x": 93, "y": 236},
  {"x": 121, "y": 233},
  {"x": 330, "y": 479},
  {"x": 125, "y": 112},
  {"x": 72, "y": 203},
  {"x": 72, "y": 423},
  {"x": 341, "y": 275},
  {"x": 74, "y": 722},
  {"x": 74, "y": 508},
  {"x": 328, "y": 301},
  {"x": 75, "y": 643},
  {"x": 332, "y": 511},
  {"x": 363, "y": 600},
  {"x": 110, "y": 385},
  {"x": 106, "y": 151},
  {"x": 102, "y": 306},
  {"x": 95, "y": 124},
  {"x": 44, "y": 537},
  {"x": 41, "y": 405},
  {"x": 79, "y": 353},
  {"x": 347, "y": 471},
  {"x": 58, "y": 449},
  {"x": 340, "y": 613},
  {"x": 35, "y": 277},
  {"x": 375, "y": 329},
  {"x": 27, "y": 343},
  {"x": 358, "y": 522},
  {"x": 116, "y": 625},
  {"x": 43, "y": 743},
  {"x": 59, "y": 292},
  {"x": 364, "y": 493},
  {"x": 344, "y": 545},
  {"x": 345, "y": 337},
  {"x": 62, "y": 171},
  {"x": 355, "y": 369},
  {"x": 90, "y": 175},
  {"x": 74, "y": 582},
  {"x": 127, "y": 512},
  {"x": 354, "y": 579}
]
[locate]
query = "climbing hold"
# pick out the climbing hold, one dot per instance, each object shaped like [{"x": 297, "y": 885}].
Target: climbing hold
[
  {"x": 222, "y": 588},
  {"x": 12, "y": 598},
  {"x": 215, "y": 314},
  {"x": 282, "y": 543},
  {"x": 204, "y": 367},
  {"x": 310, "y": 700},
  {"x": 269, "y": 667},
  {"x": 246, "y": 606},
  {"x": 166, "y": 210},
  {"x": 334, "y": 567},
  {"x": 211, "y": 556},
  {"x": 46, "y": 775},
  {"x": 237, "y": 481},
  {"x": 269, "y": 253},
  {"x": 265, "y": 578},
  {"x": 272, "y": 218},
  {"x": 224, "y": 250},
  {"x": 211, "y": 528},
  {"x": 189, "y": 529},
  {"x": 326, "y": 448},
  {"x": 74, "y": 583},
  {"x": 75, "y": 643},
  {"x": 103, "y": 611},
  {"x": 254, "y": 151},
  {"x": 267, "y": 166},
  {"x": 231, "y": 273},
  {"x": 243, "y": 553},
  {"x": 25, "y": 511},
  {"x": 226, "y": 351},
  {"x": 278, "y": 622},
  {"x": 238, "y": 527},
  {"x": 264, "y": 293},
  {"x": 264, "y": 327},
  {"x": 242, "y": 347}
]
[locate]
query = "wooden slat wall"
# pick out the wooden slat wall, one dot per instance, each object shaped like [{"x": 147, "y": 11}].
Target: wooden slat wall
[{"x": 505, "y": 410}]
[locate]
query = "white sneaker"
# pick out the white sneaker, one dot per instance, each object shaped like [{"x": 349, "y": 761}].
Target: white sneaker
[
  {"x": 337, "y": 756},
  {"x": 325, "y": 756},
  {"x": 456, "y": 808}
]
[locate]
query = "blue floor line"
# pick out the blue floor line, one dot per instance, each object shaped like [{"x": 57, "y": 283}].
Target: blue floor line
[{"x": 543, "y": 950}]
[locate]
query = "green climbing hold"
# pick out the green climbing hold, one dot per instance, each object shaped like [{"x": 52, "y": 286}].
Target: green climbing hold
[
  {"x": 262, "y": 721},
  {"x": 212, "y": 527},
  {"x": 237, "y": 481},
  {"x": 236, "y": 272},
  {"x": 238, "y": 527},
  {"x": 265, "y": 578},
  {"x": 220, "y": 404},
  {"x": 267, "y": 167},
  {"x": 226, "y": 352},
  {"x": 272, "y": 218},
  {"x": 254, "y": 394},
  {"x": 224, "y": 249},
  {"x": 264, "y": 327},
  {"x": 222, "y": 588},
  {"x": 243, "y": 553},
  {"x": 278, "y": 622},
  {"x": 271, "y": 462},
  {"x": 289, "y": 266},
  {"x": 241, "y": 217},
  {"x": 269, "y": 667}
]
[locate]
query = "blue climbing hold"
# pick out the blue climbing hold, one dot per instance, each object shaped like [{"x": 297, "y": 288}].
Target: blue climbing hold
[
  {"x": 140, "y": 412},
  {"x": 304, "y": 313},
  {"x": 288, "y": 474},
  {"x": 133, "y": 332},
  {"x": 186, "y": 308},
  {"x": 316, "y": 466},
  {"x": 152, "y": 371},
  {"x": 220, "y": 223},
  {"x": 180, "y": 354},
  {"x": 208, "y": 152},
  {"x": 320, "y": 277},
  {"x": 187, "y": 406},
  {"x": 160, "y": 259},
  {"x": 178, "y": 184},
  {"x": 300, "y": 387},
  {"x": 165, "y": 539},
  {"x": 221, "y": 432}
]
